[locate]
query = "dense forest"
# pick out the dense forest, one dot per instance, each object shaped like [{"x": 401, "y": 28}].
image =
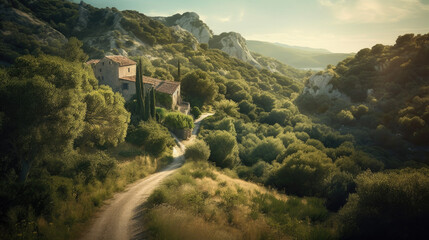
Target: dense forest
[{"x": 353, "y": 167}]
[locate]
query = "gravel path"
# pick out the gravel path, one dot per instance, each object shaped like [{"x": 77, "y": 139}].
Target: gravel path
[{"x": 120, "y": 217}]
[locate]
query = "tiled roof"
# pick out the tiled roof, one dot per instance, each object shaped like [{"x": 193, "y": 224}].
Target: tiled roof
[
  {"x": 128, "y": 78},
  {"x": 123, "y": 61},
  {"x": 163, "y": 86},
  {"x": 93, "y": 61}
]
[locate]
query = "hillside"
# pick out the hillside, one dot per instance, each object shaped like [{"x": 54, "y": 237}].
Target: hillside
[
  {"x": 381, "y": 92},
  {"x": 298, "y": 57},
  {"x": 346, "y": 146}
]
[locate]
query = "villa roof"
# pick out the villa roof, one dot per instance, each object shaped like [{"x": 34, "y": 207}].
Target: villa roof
[
  {"x": 121, "y": 60},
  {"x": 164, "y": 86}
]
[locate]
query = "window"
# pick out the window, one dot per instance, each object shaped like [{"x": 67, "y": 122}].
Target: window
[
  {"x": 100, "y": 69},
  {"x": 124, "y": 86},
  {"x": 102, "y": 78},
  {"x": 103, "y": 65},
  {"x": 128, "y": 69}
]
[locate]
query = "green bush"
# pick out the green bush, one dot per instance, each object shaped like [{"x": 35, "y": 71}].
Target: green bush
[
  {"x": 199, "y": 151},
  {"x": 151, "y": 136},
  {"x": 390, "y": 205},
  {"x": 176, "y": 120},
  {"x": 302, "y": 173},
  {"x": 195, "y": 111},
  {"x": 223, "y": 148},
  {"x": 337, "y": 189}
]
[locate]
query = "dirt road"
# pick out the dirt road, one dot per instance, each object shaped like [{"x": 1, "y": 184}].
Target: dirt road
[{"x": 120, "y": 218}]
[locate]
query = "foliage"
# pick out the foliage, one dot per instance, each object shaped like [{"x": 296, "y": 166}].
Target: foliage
[
  {"x": 387, "y": 205},
  {"x": 223, "y": 148},
  {"x": 67, "y": 93},
  {"x": 73, "y": 51},
  {"x": 150, "y": 136},
  {"x": 104, "y": 106},
  {"x": 199, "y": 87},
  {"x": 265, "y": 101},
  {"x": 177, "y": 120},
  {"x": 303, "y": 173},
  {"x": 226, "y": 108},
  {"x": 195, "y": 111},
  {"x": 199, "y": 202},
  {"x": 337, "y": 188},
  {"x": 198, "y": 151}
]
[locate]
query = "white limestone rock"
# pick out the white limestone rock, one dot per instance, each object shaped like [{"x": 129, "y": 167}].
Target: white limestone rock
[
  {"x": 320, "y": 84},
  {"x": 191, "y": 22},
  {"x": 234, "y": 45}
]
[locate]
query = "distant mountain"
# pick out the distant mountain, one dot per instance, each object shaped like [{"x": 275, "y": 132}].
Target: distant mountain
[
  {"x": 300, "y": 57},
  {"x": 320, "y": 50}
]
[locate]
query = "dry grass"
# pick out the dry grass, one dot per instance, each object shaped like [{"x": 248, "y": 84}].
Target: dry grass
[{"x": 209, "y": 206}]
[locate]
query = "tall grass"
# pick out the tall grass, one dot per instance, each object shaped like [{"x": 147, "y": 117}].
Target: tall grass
[{"x": 200, "y": 202}]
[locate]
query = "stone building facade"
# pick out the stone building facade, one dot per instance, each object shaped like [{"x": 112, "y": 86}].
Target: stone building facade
[{"x": 118, "y": 72}]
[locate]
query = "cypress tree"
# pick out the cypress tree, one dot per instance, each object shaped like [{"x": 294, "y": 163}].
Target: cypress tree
[
  {"x": 147, "y": 114},
  {"x": 178, "y": 71},
  {"x": 140, "y": 91},
  {"x": 152, "y": 103}
]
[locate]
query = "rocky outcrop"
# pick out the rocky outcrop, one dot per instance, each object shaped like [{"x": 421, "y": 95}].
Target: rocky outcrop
[
  {"x": 82, "y": 21},
  {"x": 191, "y": 22},
  {"x": 183, "y": 36},
  {"x": 35, "y": 29},
  {"x": 320, "y": 84},
  {"x": 234, "y": 45}
]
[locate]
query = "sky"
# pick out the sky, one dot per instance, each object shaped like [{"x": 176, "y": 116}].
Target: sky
[{"x": 336, "y": 25}]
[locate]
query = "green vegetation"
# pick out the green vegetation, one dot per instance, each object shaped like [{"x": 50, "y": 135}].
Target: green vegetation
[
  {"x": 201, "y": 202},
  {"x": 198, "y": 151},
  {"x": 177, "y": 120},
  {"x": 63, "y": 150},
  {"x": 62, "y": 144},
  {"x": 387, "y": 205},
  {"x": 151, "y": 137}
]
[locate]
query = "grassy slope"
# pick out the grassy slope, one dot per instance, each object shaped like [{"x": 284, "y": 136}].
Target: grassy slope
[
  {"x": 296, "y": 57},
  {"x": 202, "y": 202}
]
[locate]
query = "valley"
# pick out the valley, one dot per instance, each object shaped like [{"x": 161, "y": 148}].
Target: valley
[{"x": 296, "y": 142}]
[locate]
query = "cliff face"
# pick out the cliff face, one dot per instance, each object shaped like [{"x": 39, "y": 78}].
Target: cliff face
[
  {"x": 191, "y": 22},
  {"x": 234, "y": 45}
]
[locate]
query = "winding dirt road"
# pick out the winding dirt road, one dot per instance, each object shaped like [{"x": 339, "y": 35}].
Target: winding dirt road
[{"x": 120, "y": 219}]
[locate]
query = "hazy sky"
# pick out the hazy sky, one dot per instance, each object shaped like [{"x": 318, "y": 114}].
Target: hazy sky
[{"x": 336, "y": 25}]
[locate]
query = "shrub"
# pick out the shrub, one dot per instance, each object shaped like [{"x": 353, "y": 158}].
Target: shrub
[
  {"x": 337, "y": 189},
  {"x": 176, "y": 120},
  {"x": 199, "y": 151},
  {"x": 345, "y": 116},
  {"x": 151, "y": 136},
  {"x": 303, "y": 173},
  {"x": 392, "y": 205},
  {"x": 223, "y": 148},
  {"x": 268, "y": 149},
  {"x": 195, "y": 111}
]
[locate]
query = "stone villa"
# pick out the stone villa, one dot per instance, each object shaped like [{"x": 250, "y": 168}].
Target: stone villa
[{"x": 119, "y": 73}]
